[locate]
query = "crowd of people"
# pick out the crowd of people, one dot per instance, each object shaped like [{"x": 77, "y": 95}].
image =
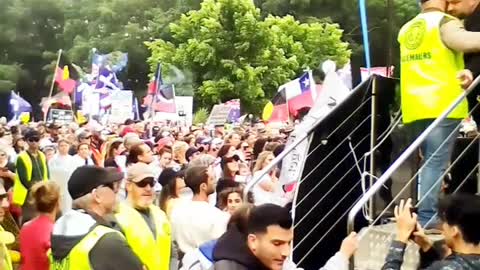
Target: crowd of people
[{"x": 145, "y": 196}]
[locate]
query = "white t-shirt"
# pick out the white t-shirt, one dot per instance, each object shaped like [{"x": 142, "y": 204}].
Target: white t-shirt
[{"x": 194, "y": 223}]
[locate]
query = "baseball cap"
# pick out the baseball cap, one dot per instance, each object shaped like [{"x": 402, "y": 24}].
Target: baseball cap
[
  {"x": 86, "y": 178},
  {"x": 226, "y": 159},
  {"x": 139, "y": 171},
  {"x": 31, "y": 133},
  {"x": 168, "y": 174},
  {"x": 191, "y": 151},
  {"x": 84, "y": 135}
]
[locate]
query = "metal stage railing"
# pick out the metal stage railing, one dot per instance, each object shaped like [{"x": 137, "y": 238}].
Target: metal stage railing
[
  {"x": 403, "y": 157},
  {"x": 374, "y": 183}
]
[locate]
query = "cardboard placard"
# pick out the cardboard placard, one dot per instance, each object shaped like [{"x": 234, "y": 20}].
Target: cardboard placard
[
  {"x": 60, "y": 117},
  {"x": 219, "y": 115}
]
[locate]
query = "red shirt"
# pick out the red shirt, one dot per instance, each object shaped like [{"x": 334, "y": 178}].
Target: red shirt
[{"x": 35, "y": 242}]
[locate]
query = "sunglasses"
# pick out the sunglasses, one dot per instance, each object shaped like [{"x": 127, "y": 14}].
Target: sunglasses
[
  {"x": 145, "y": 182},
  {"x": 3, "y": 196},
  {"x": 34, "y": 139}
]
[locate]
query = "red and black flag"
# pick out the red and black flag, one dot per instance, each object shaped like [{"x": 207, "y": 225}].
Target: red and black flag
[{"x": 276, "y": 110}]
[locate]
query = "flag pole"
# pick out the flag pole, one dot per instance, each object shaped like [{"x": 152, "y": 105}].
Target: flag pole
[
  {"x": 55, "y": 73},
  {"x": 157, "y": 88}
]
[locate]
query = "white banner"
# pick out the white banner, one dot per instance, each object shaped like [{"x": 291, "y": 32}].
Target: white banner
[
  {"x": 332, "y": 94},
  {"x": 122, "y": 106}
]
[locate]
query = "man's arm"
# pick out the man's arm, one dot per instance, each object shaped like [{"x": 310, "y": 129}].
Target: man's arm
[
  {"x": 113, "y": 253},
  {"x": 455, "y": 37},
  {"x": 394, "y": 258}
]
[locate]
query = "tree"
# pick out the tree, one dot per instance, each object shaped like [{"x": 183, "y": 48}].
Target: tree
[
  {"x": 29, "y": 29},
  {"x": 346, "y": 13},
  {"x": 232, "y": 53}
]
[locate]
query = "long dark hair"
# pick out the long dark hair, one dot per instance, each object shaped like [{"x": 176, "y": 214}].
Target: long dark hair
[
  {"x": 168, "y": 192},
  {"x": 113, "y": 146},
  {"x": 224, "y": 150}
]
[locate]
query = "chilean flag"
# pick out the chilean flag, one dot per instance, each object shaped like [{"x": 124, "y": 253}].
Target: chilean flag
[{"x": 300, "y": 93}]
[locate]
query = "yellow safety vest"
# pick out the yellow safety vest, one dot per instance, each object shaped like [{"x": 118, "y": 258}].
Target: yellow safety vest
[
  {"x": 428, "y": 70},
  {"x": 5, "y": 259},
  {"x": 78, "y": 258},
  {"x": 19, "y": 190},
  {"x": 153, "y": 252}
]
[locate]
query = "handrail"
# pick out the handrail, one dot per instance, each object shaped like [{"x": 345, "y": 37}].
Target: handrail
[{"x": 402, "y": 158}]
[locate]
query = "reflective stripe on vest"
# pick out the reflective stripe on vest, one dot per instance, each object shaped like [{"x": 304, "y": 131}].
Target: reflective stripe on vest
[
  {"x": 78, "y": 259},
  {"x": 429, "y": 70},
  {"x": 153, "y": 252},
  {"x": 20, "y": 191}
]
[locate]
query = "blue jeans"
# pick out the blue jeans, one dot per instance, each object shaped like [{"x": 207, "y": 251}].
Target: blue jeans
[{"x": 436, "y": 164}]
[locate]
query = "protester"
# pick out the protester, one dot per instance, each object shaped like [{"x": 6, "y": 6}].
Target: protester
[
  {"x": 140, "y": 153},
  {"x": 460, "y": 217},
  {"x": 7, "y": 170},
  {"x": 265, "y": 245},
  {"x": 173, "y": 185},
  {"x": 35, "y": 234},
  {"x": 165, "y": 158},
  {"x": 144, "y": 225},
  {"x": 264, "y": 191},
  {"x": 31, "y": 168},
  {"x": 115, "y": 150},
  {"x": 84, "y": 235},
  {"x": 83, "y": 156},
  {"x": 179, "y": 153},
  {"x": 190, "y": 224},
  {"x": 5, "y": 257},
  {"x": 230, "y": 199},
  {"x": 61, "y": 167},
  {"x": 202, "y": 257},
  {"x": 230, "y": 167}
]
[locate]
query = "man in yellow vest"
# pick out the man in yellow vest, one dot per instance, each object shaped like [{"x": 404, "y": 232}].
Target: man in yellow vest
[
  {"x": 144, "y": 224},
  {"x": 83, "y": 238},
  {"x": 432, "y": 77},
  {"x": 31, "y": 168},
  {"x": 5, "y": 237}
]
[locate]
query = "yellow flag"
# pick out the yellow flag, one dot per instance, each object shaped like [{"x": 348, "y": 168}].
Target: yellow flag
[
  {"x": 81, "y": 118},
  {"x": 25, "y": 117},
  {"x": 66, "y": 73},
  {"x": 267, "y": 111}
]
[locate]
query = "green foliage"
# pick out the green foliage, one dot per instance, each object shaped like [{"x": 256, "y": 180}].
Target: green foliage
[
  {"x": 201, "y": 116},
  {"x": 232, "y": 52},
  {"x": 345, "y": 12},
  {"x": 227, "y": 49}
]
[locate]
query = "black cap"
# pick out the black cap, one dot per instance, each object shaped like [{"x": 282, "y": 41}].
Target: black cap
[
  {"x": 31, "y": 133},
  {"x": 86, "y": 178},
  {"x": 191, "y": 151},
  {"x": 168, "y": 175},
  {"x": 226, "y": 159}
]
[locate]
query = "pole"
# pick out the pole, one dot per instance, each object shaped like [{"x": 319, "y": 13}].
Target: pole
[
  {"x": 364, "y": 23},
  {"x": 372, "y": 209},
  {"x": 157, "y": 88},
  {"x": 390, "y": 36},
  {"x": 55, "y": 73},
  {"x": 53, "y": 83}
]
